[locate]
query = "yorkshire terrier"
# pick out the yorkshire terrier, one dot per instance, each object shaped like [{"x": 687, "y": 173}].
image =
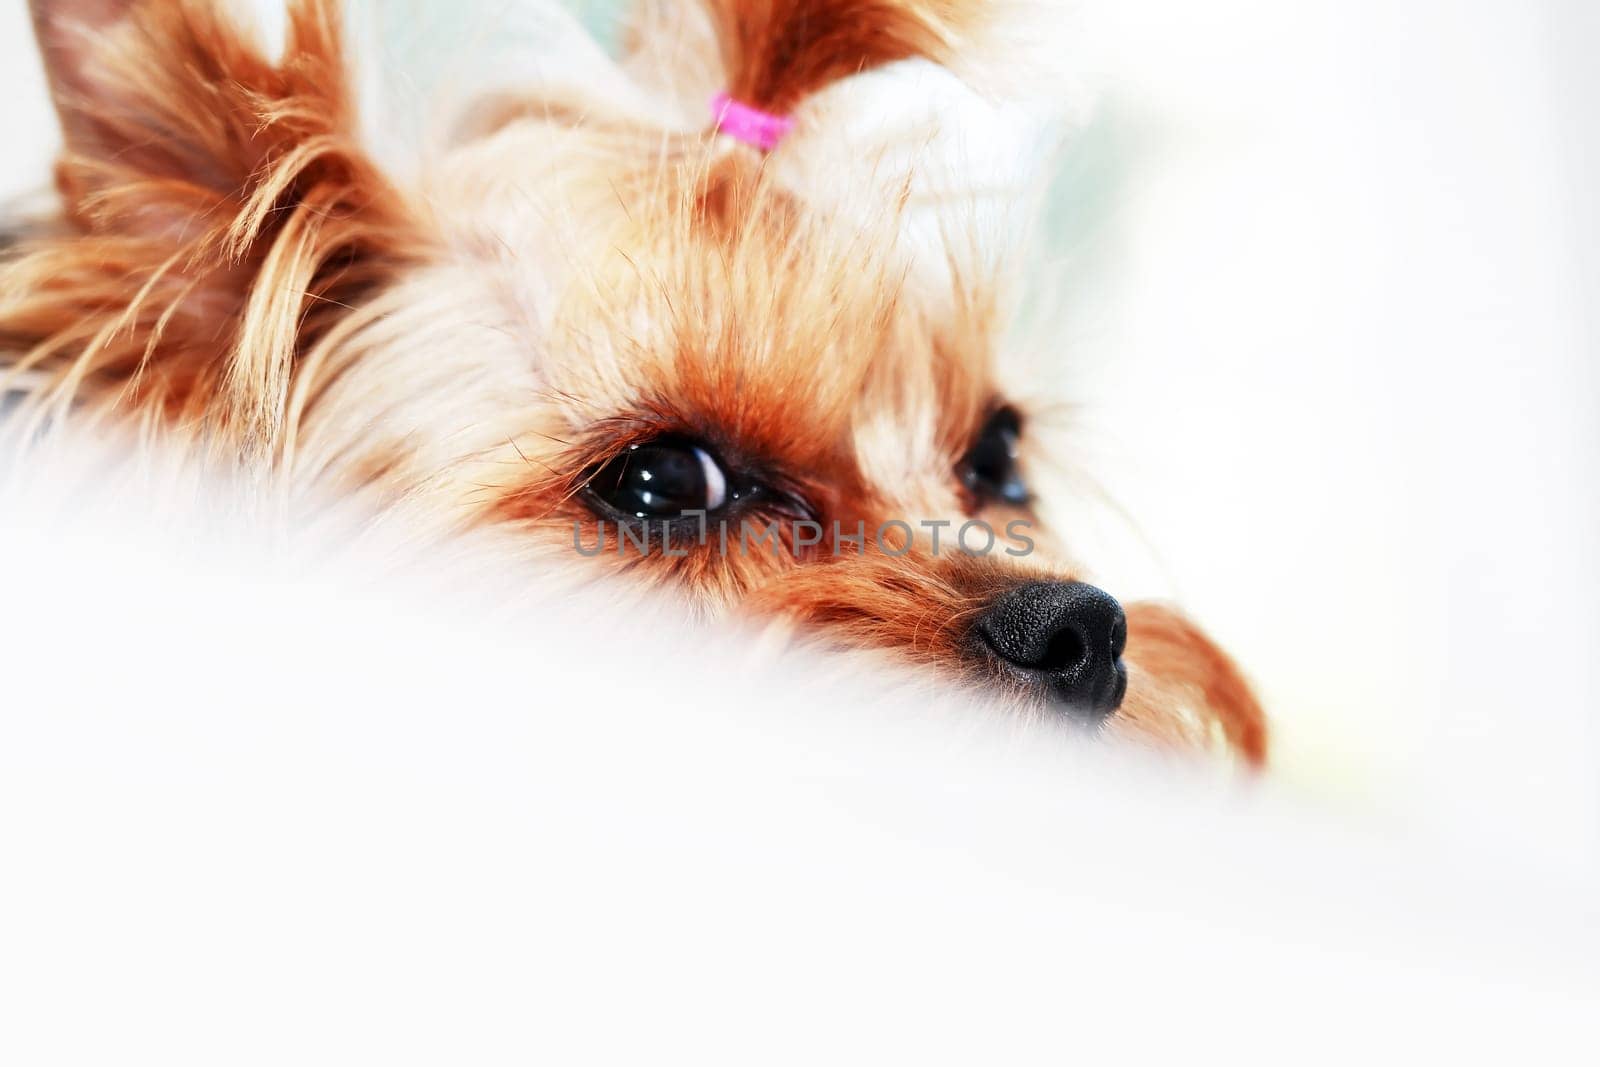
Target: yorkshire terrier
[{"x": 723, "y": 316}]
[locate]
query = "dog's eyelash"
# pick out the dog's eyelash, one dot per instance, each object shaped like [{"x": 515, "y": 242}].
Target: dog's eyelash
[{"x": 788, "y": 505}]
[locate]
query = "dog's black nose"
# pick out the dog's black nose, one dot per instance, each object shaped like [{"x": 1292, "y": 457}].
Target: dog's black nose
[{"x": 1065, "y": 636}]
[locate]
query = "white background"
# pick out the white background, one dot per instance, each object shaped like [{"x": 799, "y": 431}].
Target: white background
[{"x": 1340, "y": 355}]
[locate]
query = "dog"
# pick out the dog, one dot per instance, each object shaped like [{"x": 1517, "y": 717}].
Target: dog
[{"x": 723, "y": 318}]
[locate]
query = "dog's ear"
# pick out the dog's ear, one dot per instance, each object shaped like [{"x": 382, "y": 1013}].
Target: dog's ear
[
  {"x": 67, "y": 30},
  {"x": 220, "y": 209},
  {"x": 176, "y": 98},
  {"x": 1184, "y": 689}
]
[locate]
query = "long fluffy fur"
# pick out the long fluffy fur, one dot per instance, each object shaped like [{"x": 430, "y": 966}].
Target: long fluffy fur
[{"x": 222, "y": 218}]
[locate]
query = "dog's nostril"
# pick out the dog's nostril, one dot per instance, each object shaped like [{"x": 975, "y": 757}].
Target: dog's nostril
[
  {"x": 1067, "y": 637},
  {"x": 1065, "y": 652}
]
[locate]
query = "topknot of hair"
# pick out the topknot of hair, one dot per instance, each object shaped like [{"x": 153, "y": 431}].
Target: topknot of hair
[{"x": 777, "y": 52}]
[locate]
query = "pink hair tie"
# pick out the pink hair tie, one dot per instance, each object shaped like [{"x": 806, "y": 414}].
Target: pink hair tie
[{"x": 751, "y": 125}]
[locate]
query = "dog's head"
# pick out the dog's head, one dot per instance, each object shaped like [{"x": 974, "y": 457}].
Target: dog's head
[{"x": 768, "y": 375}]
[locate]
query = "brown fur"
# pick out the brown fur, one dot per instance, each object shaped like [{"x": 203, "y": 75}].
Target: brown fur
[
  {"x": 235, "y": 275},
  {"x": 222, "y": 217},
  {"x": 777, "y": 52}
]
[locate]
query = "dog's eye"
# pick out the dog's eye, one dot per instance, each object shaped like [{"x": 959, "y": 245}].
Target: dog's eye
[
  {"x": 989, "y": 469},
  {"x": 661, "y": 479}
]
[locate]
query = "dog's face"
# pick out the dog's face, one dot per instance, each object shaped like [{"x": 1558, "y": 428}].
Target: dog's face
[{"x": 640, "y": 348}]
